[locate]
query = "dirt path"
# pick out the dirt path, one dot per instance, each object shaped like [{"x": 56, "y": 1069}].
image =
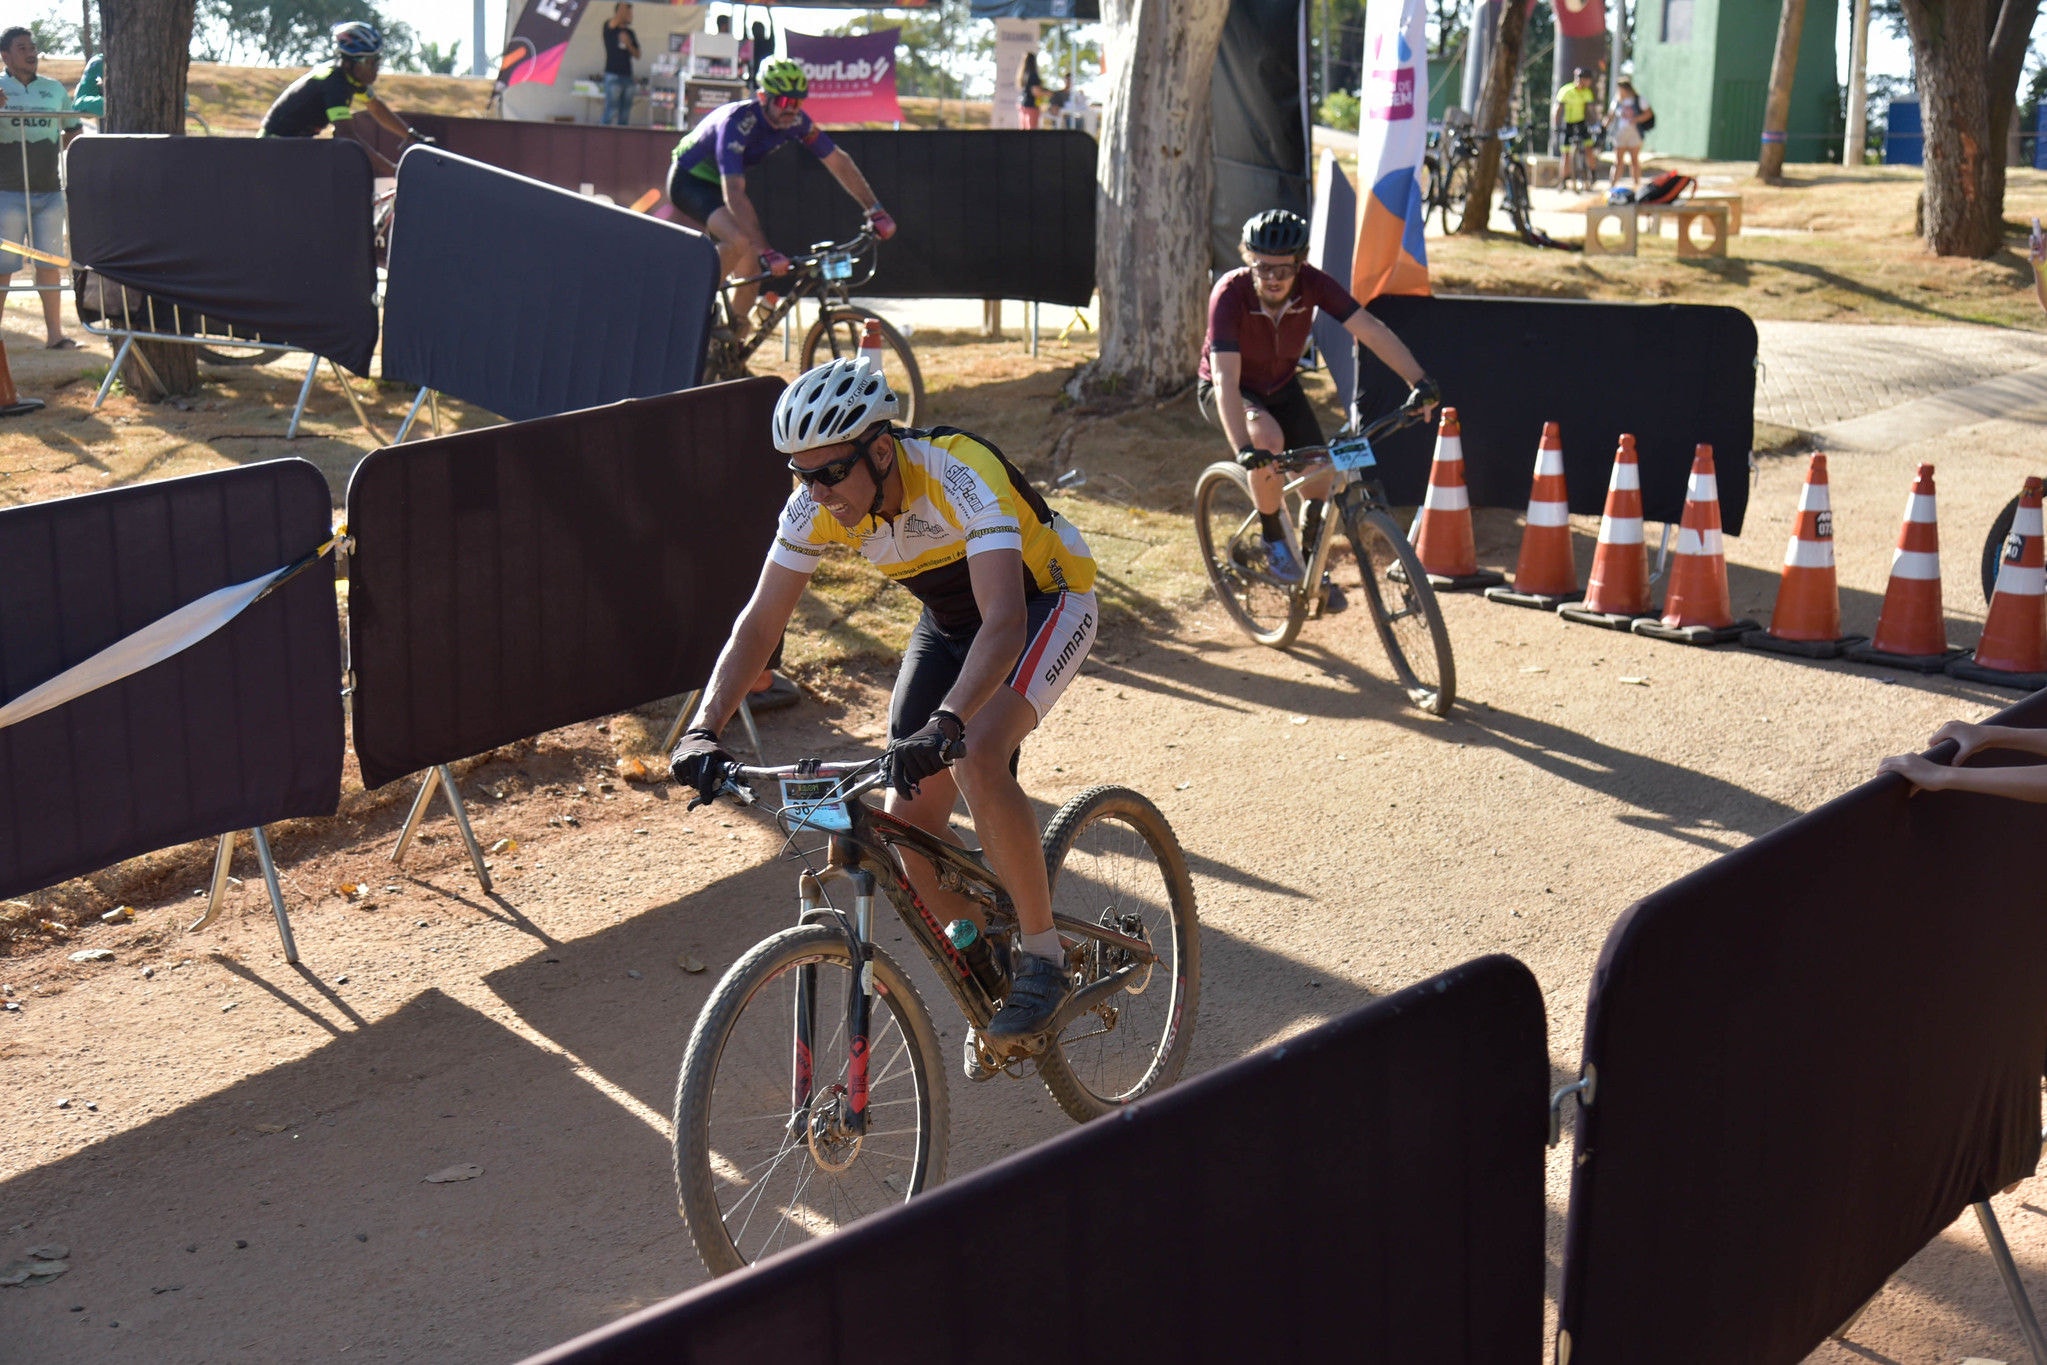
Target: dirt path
[{"x": 1343, "y": 847}]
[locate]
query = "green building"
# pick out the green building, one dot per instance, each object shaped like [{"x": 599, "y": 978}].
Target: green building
[{"x": 1704, "y": 67}]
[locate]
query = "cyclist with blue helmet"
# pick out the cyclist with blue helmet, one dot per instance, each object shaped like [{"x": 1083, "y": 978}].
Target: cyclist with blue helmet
[
  {"x": 339, "y": 90},
  {"x": 707, "y": 182}
]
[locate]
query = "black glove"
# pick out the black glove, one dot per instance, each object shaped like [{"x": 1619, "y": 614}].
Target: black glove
[
  {"x": 417, "y": 139},
  {"x": 699, "y": 762},
  {"x": 913, "y": 758},
  {"x": 1251, "y": 457},
  {"x": 1422, "y": 396}
]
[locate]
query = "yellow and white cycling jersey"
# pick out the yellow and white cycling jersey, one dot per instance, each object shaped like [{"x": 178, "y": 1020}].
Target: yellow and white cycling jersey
[{"x": 961, "y": 497}]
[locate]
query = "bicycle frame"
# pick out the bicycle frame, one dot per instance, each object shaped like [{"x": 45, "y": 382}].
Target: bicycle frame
[
  {"x": 867, "y": 855},
  {"x": 805, "y": 279},
  {"x": 1305, "y": 464}
]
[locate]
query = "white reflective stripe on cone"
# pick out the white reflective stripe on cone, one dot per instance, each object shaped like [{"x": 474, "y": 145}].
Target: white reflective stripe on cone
[
  {"x": 1809, "y": 554},
  {"x": 1446, "y": 498},
  {"x": 1702, "y": 488},
  {"x": 2027, "y": 522},
  {"x": 1919, "y": 507},
  {"x": 1690, "y": 542},
  {"x": 1620, "y": 531},
  {"x": 1627, "y": 476},
  {"x": 2019, "y": 581},
  {"x": 1450, "y": 450},
  {"x": 1915, "y": 564},
  {"x": 1812, "y": 497},
  {"x": 1548, "y": 461},
  {"x": 1549, "y": 514}
]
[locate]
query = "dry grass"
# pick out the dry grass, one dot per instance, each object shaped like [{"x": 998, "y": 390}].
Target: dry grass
[{"x": 1830, "y": 244}]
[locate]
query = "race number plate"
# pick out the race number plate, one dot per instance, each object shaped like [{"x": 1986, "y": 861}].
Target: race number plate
[
  {"x": 1353, "y": 453},
  {"x": 809, "y": 803},
  {"x": 838, "y": 266}
]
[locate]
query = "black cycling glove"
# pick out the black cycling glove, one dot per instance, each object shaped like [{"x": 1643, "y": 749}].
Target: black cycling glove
[
  {"x": 913, "y": 758},
  {"x": 1251, "y": 457},
  {"x": 1424, "y": 394},
  {"x": 699, "y": 762}
]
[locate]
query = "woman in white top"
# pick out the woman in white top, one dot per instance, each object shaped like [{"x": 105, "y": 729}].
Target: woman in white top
[{"x": 1629, "y": 109}]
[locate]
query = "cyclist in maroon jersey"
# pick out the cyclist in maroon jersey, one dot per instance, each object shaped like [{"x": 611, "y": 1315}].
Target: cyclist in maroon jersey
[{"x": 1259, "y": 318}]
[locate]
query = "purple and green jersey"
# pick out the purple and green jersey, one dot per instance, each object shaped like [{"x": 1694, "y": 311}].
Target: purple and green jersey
[{"x": 734, "y": 137}]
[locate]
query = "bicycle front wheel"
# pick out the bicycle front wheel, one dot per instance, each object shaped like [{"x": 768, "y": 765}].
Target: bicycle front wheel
[
  {"x": 1226, "y": 524},
  {"x": 1113, "y": 861},
  {"x": 1993, "y": 546},
  {"x": 836, "y": 335},
  {"x": 765, "y": 1154},
  {"x": 1404, "y": 609}
]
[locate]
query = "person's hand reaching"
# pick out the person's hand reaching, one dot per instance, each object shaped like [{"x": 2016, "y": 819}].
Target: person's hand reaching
[
  {"x": 1968, "y": 739},
  {"x": 1917, "y": 769}
]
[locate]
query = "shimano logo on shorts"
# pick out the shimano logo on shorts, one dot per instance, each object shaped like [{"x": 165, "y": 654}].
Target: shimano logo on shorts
[{"x": 1073, "y": 644}]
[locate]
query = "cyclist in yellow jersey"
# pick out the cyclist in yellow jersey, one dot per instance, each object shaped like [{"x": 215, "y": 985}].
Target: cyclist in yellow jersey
[
  {"x": 1573, "y": 111},
  {"x": 1009, "y": 616}
]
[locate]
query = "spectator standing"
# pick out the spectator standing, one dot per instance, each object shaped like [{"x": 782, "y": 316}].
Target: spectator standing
[
  {"x": 1625, "y": 123},
  {"x": 621, "y": 47},
  {"x": 1030, "y": 91},
  {"x": 1574, "y": 111},
  {"x": 31, "y": 194},
  {"x": 86, "y": 96}
]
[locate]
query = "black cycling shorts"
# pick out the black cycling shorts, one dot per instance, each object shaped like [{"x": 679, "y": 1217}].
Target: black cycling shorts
[
  {"x": 1287, "y": 405},
  {"x": 694, "y": 195},
  {"x": 1578, "y": 135},
  {"x": 1059, "y": 632}
]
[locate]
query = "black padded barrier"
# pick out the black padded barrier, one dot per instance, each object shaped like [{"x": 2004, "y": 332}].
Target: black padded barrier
[
  {"x": 268, "y": 235},
  {"x": 530, "y": 301},
  {"x": 1258, "y": 110},
  {"x": 1369, "y": 1191},
  {"x": 983, "y": 214},
  {"x": 1809, "y": 1057},
  {"x": 1675, "y": 375},
  {"x": 522, "y": 577},
  {"x": 241, "y": 729}
]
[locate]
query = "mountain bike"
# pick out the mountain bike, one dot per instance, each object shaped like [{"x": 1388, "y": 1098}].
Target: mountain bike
[
  {"x": 813, "y": 1091},
  {"x": 1396, "y": 587},
  {"x": 827, "y": 273}
]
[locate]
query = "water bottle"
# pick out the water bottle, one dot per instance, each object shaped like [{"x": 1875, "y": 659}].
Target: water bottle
[{"x": 970, "y": 943}]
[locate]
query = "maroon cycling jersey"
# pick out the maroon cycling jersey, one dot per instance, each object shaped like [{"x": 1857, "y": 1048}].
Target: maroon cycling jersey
[{"x": 1271, "y": 350}]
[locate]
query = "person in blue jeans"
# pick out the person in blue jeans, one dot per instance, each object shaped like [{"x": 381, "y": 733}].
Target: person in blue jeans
[
  {"x": 621, "y": 46},
  {"x": 31, "y": 194}
]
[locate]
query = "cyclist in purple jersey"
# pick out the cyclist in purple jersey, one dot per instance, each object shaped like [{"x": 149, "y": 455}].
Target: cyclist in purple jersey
[{"x": 707, "y": 182}]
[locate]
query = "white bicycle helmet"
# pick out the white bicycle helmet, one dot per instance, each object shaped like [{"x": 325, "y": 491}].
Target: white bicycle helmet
[{"x": 834, "y": 402}]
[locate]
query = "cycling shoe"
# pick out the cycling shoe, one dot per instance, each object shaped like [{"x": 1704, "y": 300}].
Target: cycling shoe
[{"x": 1041, "y": 986}]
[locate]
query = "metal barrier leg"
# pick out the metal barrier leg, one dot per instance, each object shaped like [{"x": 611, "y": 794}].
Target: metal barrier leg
[
  {"x": 1034, "y": 330},
  {"x": 141, "y": 358},
  {"x": 223, "y": 862},
  {"x": 362, "y": 417},
  {"x": 113, "y": 372},
  {"x": 291, "y": 948},
  {"x": 418, "y": 812},
  {"x": 418, "y": 399},
  {"x": 433, "y": 407},
  {"x": 689, "y": 704},
  {"x": 476, "y": 853},
  {"x": 2008, "y": 1271},
  {"x": 753, "y": 737},
  {"x": 305, "y": 391}
]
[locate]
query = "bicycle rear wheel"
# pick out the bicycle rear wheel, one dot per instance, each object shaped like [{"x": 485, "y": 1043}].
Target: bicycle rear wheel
[
  {"x": 763, "y": 1160},
  {"x": 836, "y": 335},
  {"x": 1113, "y": 861},
  {"x": 1226, "y": 522},
  {"x": 1456, "y": 189},
  {"x": 1405, "y": 611}
]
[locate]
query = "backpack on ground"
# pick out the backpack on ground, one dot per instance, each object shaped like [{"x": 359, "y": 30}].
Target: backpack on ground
[{"x": 1666, "y": 188}]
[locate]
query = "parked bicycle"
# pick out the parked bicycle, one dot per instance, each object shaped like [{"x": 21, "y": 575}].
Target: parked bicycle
[
  {"x": 1396, "y": 587},
  {"x": 827, "y": 273},
  {"x": 1447, "y": 181},
  {"x": 813, "y": 1090}
]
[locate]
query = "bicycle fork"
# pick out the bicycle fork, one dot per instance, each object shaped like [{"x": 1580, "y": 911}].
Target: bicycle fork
[{"x": 859, "y": 1007}]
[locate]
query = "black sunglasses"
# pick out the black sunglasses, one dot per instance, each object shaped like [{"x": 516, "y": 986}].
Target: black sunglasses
[{"x": 829, "y": 475}]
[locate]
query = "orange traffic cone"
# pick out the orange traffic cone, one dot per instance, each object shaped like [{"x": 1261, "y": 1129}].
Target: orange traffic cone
[
  {"x": 1442, "y": 524},
  {"x": 1807, "y": 618},
  {"x": 13, "y": 404},
  {"x": 1911, "y": 632},
  {"x": 1545, "y": 577},
  {"x": 1618, "y": 590},
  {"x": 1697, "y": 610},
  {"x": 2013, "y": 650}
]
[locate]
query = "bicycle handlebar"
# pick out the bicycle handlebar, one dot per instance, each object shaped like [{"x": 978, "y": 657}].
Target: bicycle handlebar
[
  {"x": 1298, "y": 457},
  {"x": 810, "y": 260},
  {"x": 738, "y": 774}
]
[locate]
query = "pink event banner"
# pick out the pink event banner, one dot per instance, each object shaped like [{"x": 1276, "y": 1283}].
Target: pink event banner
[{"x": 852, "y": 79}]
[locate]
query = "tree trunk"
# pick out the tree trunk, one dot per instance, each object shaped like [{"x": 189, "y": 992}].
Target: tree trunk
[
  {"x": 1852, "y": 151},
  {"x": 1777, "y": 109},
  {"x": 85, "y": 29},
  {"x": 1964, "y": 179},
  {"x": 1154, "y": 181},
  {"x": 148, "y": 46},
  {"x": 2010, "y": 38},
  {"x": 1495, "y": 100}
]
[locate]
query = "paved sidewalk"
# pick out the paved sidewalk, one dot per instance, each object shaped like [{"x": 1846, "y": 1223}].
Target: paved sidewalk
[{"x": 1817, "y": 374}]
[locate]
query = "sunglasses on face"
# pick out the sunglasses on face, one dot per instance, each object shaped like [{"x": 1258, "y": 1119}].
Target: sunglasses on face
[
  {"x": 786, "y": 103},
  {"x": 1274, "y": 272},
  {"x": 830, "y": 474}
]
